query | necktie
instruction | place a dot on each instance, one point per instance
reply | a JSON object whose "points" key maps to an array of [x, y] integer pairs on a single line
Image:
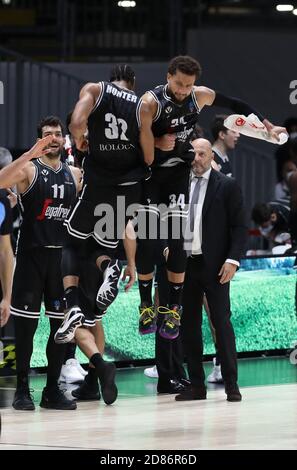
{"points": [[194, 202]]}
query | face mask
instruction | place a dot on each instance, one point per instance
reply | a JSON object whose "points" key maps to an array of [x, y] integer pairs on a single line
{"points": [[289, 174], [265, 231], [282, 238]]}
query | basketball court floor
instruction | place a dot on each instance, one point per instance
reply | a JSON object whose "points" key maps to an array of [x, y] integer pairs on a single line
{"points": [[141, 419]]}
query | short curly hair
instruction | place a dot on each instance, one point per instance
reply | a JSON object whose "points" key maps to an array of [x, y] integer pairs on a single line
{"points": [[185, 64]]}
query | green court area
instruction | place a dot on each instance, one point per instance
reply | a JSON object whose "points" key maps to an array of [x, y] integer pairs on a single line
{"points": [[263, 315]]}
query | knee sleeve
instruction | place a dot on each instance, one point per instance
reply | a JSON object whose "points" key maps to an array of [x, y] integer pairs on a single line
{"points": [[145, 260], [70, 264], [177, 258], [24, 333]]}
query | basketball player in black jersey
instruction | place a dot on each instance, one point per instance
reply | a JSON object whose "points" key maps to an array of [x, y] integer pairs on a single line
{"points": [[120, 146], [6, 257], [47, 189], [174, 110]]}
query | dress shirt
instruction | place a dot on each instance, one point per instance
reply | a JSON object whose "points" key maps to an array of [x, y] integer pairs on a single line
{"points": [[197, 233]]}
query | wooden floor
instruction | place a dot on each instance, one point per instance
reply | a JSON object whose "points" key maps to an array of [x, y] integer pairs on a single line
{"points": [[265, 419]]}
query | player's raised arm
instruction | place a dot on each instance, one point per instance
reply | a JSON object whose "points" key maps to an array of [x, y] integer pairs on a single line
{"points": [[83, 108], [15, 172]]}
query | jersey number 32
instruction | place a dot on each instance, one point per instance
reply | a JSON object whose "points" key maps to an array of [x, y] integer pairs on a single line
{"points": [[116, 127]]}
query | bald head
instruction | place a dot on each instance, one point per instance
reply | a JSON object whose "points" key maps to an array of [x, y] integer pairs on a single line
{"points": [[199, 143], [203, 156]]}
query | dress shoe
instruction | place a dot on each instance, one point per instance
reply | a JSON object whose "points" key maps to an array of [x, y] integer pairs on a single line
{"points": [[172, 387], [184, 382], [192, 393], [233, 393]]}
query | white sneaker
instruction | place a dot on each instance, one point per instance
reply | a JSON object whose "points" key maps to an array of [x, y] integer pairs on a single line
{"points": [[216, 374], [110, 287], [151, 372], [73, 319], [70, 373]]}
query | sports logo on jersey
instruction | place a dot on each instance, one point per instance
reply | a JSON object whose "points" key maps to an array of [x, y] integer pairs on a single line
{"points": [[66, 175], [191, 107], [53, 212], [183, 136], [44, 174], [56, 304], [168, 109], [67, 178]]}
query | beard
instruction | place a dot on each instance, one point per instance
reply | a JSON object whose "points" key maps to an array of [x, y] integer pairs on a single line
{"points": [[198, 170], [54, 153], [177, 100]]}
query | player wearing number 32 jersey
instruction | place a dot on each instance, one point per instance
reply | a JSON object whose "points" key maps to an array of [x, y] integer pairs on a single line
{"points": [[119, 149], [120, 146]]}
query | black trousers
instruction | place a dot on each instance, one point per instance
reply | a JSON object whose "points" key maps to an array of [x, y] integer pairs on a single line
{"points": [[169, 353], [197, 281]]}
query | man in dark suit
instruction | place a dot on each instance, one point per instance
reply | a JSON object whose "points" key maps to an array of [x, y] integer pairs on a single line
{"points": [[215, 239]]}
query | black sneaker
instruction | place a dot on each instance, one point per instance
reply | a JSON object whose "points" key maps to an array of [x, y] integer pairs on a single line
{"points": [[107, 382], [54, 399], [86, 392], [74, 318], [171, 323], [147, 319], [110, 287], [23, 400]]}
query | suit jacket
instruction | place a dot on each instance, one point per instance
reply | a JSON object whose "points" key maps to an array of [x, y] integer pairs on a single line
{"points": [[224, 228]]}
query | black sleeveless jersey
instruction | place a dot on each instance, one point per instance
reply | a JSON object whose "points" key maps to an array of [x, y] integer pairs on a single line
{"points": [[174, 118], [114, 155], [44, 207]]}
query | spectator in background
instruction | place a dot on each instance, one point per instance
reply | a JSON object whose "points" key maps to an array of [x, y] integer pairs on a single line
{"points": [[292, 183], [225, 140], [288, 151], [272, 219], [282, 190]]}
